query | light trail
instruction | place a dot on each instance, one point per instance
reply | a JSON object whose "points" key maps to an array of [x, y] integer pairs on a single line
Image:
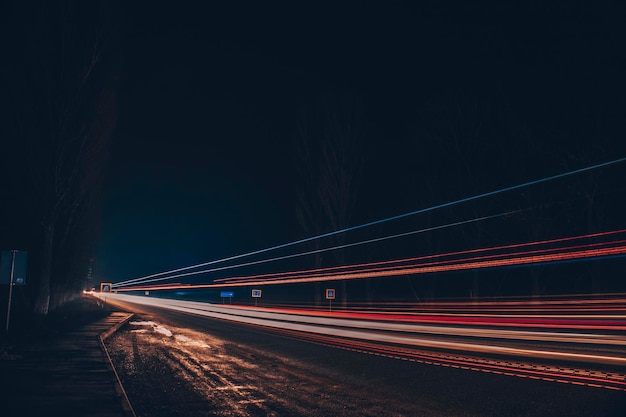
{"points": [[525, 260], [521, 258], [388, 219], [566, 303], [362, 268], [561, 374], [296, 255], [461, 342], [442, 255]]}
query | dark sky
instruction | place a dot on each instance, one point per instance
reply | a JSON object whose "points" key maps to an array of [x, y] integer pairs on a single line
{"points": [[202, 165]]}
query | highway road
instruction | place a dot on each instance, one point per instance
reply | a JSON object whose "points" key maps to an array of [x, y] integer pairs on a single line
{"points": [[190, 358]]}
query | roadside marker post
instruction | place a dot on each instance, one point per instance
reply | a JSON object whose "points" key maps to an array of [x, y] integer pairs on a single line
{"points": [[330, 296], [256, 294], [13, 272], [10, 287], [227, 294]]}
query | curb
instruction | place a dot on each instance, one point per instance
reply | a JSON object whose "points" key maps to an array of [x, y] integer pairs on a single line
{"points": [[107, 333], [119, 388]]}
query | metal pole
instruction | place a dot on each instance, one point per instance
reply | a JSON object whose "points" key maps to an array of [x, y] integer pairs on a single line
{"points": [[10, 288]]}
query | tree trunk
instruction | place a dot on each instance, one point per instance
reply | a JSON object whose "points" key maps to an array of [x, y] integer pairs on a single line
{"points": [[42, 302]]}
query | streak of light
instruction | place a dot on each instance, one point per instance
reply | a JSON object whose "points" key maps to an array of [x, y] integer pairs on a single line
{"points": [[465, 264], [564, 303], [449, 254], [296, 255], [399, 336], [412, 213], [568, 375], [311, 273]]}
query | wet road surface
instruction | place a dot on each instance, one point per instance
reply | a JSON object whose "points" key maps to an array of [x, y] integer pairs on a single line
{"points": [[172, 364]]}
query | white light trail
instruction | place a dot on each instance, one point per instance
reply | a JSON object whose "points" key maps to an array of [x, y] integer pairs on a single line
{"points": [[412, 213], [465, 339]]}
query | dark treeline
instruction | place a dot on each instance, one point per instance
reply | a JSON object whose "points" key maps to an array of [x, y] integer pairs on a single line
{"points": [[59, 81], [423, 106], [456, 146]]}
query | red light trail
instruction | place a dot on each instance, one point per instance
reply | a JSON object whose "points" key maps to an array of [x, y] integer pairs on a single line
{"points": [[558, 344], [491, 257]]}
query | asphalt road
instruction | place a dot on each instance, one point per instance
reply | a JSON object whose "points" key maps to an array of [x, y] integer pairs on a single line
{"points": [[175, 364]]}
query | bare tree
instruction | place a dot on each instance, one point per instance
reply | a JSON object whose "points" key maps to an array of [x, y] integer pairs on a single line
{"points": [[329, 160], [455, 129]]}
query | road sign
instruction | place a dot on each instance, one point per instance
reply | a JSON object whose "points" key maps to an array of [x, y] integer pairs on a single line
{"points": [[19, 269], [330, 293], [227, 294], [16, 260], [12, 272], [256, 293]]}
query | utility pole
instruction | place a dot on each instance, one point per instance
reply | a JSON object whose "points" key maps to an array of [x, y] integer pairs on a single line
{"points": [[10, 287]]}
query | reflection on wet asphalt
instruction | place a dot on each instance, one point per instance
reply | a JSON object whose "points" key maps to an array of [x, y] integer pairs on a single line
{"points": [[181, 365], [172, 371]]}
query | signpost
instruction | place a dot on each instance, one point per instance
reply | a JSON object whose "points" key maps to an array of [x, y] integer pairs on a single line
{"points": [[227, 294], [330, 296], [13, 272], [256, 294]]}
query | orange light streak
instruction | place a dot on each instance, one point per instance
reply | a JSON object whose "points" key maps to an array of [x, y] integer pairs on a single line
{"points": [[414, 270], [444, 262], [450, 254]]}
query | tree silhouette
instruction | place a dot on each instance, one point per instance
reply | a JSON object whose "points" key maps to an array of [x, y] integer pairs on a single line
{"points": [[329, 163], [62, 80]]}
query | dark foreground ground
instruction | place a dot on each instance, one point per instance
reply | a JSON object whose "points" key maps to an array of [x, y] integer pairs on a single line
{"points": [[178, 365], [55, 365], [23, 327]]}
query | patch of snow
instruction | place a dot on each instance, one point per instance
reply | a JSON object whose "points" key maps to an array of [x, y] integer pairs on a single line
{"points": [[184, 340], [156, 327], [162, 330], [142, 323]]}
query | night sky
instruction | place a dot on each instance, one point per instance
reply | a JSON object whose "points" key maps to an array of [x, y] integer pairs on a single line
{"points": [[201, 164]]}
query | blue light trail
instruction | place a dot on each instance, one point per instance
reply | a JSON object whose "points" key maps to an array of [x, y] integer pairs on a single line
{"points": [[388, 219]]}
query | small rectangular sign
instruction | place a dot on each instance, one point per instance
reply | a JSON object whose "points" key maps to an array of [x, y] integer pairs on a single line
{"points": [[330, 293], [256, 293], [19, 267], [18, 260], [227, 294]]}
